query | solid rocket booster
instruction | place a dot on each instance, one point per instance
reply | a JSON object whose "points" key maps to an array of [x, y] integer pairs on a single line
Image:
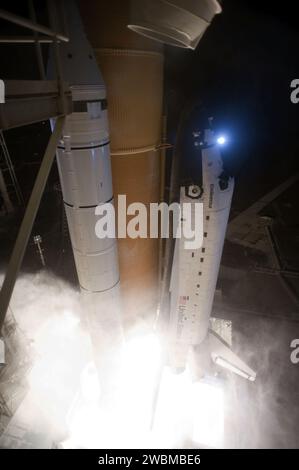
{"points": [[83, 158], [85, 172]]}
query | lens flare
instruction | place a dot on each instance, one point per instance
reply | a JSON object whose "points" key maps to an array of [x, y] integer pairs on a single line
{"points": [[221, 140]]}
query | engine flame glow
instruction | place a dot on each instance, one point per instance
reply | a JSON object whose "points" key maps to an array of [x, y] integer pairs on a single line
{"points": [[185, 411], [68, 404]]}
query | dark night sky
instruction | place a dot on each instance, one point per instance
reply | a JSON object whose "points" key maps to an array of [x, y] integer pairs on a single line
{"points": [[241, 71]]}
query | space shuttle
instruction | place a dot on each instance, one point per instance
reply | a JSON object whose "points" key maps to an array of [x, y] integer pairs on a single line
{"points": [[85, 174], [195, 271], [84, 164]]}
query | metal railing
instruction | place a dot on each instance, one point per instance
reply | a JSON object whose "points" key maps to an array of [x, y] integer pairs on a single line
{"points": [[8, 168]]}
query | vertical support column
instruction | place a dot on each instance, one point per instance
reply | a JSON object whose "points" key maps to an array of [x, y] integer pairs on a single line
{"points": [[28, 220]]}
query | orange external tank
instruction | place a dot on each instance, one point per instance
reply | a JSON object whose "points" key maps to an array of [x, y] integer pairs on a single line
{"points": [[132, 67]]}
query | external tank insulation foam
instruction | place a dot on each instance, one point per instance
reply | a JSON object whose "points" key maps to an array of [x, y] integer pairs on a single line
{"points": [[132, 67]]}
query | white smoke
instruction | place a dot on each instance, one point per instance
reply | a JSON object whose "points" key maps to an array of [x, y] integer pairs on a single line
{"points": [[64, 402], [265, 413], [48, 311], [64, 389]]}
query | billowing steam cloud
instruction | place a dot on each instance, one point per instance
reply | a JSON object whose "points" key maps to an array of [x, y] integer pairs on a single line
{"points": [[47, 311], [64, 394]]}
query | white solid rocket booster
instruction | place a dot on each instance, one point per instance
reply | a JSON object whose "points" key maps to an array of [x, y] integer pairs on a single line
{"points": [[85, 173], [83, 158]]}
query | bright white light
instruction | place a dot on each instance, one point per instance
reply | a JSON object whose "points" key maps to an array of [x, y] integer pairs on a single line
{"points": [[173, 417], [221, 140], [208, 409], [189, 410], [185, 410], [141, 362], [66, 386], [124, 421], [61, 351], [90, 385]]}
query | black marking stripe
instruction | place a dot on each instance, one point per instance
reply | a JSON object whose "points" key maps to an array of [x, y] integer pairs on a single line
{"points": [[85, 148], [81, 106], [100, 291], [89, 207], [207, 146]]}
